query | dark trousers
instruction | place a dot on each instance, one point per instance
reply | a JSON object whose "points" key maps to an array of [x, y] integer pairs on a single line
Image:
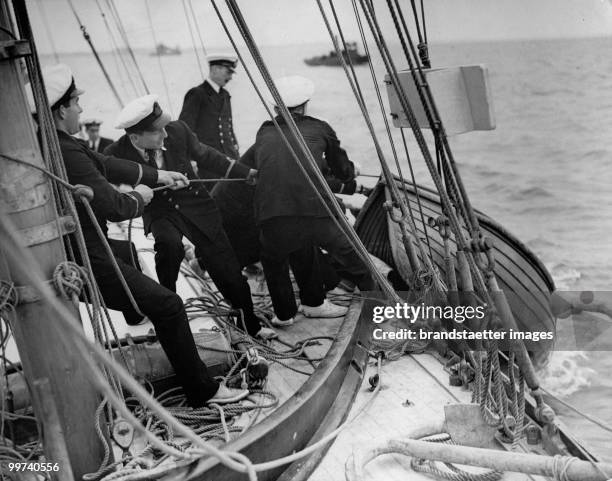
{"points": [[216, 256], [296, 240], [166, 311], [121, 249], [243, 235]]}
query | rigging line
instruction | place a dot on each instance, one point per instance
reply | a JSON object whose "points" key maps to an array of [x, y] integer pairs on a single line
{"points": [[384, 114], [92, 354], [424, 61], [382, 281], [423, 21], [433, 117], [117, 51], [197, 25], [416, 19], [122, 32], [45, 20], [51, 149], [339, 219], [398, 29], [93, 50], [159, 61], [391, 70], [381, 44], [360, 101], [593, 419], [350, 61], [416, 191], [193, 42]]}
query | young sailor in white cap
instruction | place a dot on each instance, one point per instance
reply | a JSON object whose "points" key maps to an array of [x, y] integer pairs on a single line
{"points": [[207, 108], [291, 218], [163, 307], [152, 139], [94, 140]]}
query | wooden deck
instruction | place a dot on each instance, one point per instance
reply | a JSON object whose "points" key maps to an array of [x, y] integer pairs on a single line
{"points": [[414, 391]]}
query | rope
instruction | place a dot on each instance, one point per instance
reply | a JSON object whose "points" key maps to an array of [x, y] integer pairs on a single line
{"points": [[68, 280], [332, 208], [159, 61], [452, 473], [359, 96], [193, 15], [41, 8], [87, 38], [404, 208], [117, 52], [102, 438], [197, 181], [8, 296], [594, 420], [193, 43], [83, 192], [56, 178], [54, 161], [92, 353], [123, 33]]}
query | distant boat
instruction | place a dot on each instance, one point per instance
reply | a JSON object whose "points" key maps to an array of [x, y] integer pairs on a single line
{"points": [[162, 49], [332, 59]]}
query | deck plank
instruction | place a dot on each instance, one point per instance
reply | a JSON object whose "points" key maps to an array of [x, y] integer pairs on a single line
{"points": [[421, 379]]}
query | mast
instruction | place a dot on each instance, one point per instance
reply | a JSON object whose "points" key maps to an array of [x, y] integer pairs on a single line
{"points": [[26, 200]]}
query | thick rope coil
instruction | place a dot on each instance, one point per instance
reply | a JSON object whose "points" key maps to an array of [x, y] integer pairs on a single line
{"points": [[68, 279], [452, 473], [8, 296]]}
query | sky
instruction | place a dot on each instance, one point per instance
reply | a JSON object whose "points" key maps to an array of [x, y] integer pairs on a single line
{"points": [[290, 22]]}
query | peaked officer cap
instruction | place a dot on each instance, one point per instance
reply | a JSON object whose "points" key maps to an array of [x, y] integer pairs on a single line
{"points": [[143, 113]]}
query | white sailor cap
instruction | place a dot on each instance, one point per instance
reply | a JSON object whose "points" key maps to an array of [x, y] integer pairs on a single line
{"points": [[227, 60], [59, 84], [294, 90], [143, 113]]}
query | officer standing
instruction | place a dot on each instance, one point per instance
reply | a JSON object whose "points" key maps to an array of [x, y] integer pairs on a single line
{"points": [[290, 215], [154, 140], [163, 307], [207, 108], [94, 141]]}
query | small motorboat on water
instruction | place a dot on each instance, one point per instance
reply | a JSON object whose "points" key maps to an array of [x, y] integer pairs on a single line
{"points": [[163, 50], [350, 55]]}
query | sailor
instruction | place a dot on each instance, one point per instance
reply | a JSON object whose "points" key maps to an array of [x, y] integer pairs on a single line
{"points": [[152, 139], [207, 108], [235, 203], [290, 215], [94, 140], [163, 307]]}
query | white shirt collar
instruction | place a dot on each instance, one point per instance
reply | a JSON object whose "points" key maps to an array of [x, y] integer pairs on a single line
{"points": [[214, 84], [158, 158]]}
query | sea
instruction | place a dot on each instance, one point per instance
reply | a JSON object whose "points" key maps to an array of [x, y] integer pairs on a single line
{"points": [[544, 172]]}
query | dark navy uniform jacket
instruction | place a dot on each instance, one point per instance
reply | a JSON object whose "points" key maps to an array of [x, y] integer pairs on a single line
{"points": [[209, 115], [84, 166], [281, 187], [104, 142], [193, 202]]}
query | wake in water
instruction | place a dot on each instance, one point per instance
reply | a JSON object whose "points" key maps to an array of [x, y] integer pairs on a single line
{"points": [[566, 373]]}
